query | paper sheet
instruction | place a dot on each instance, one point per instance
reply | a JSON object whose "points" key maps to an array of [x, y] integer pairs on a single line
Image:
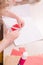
{"points": [[28, 33]]}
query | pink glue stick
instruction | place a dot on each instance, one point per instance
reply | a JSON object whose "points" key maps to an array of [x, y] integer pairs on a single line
{"points": [[23, 58]]}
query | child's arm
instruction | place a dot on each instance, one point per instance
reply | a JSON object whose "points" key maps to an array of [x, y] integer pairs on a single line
{"points": [[13, 15], [8, 39]]}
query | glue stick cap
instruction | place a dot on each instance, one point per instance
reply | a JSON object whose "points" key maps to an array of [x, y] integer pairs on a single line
{"points": [[25, 55]]}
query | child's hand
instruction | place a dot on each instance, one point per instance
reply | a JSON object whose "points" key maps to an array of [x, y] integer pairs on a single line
{"points": [[15, 16], [8, 39], [11, 36], [20, 21]]}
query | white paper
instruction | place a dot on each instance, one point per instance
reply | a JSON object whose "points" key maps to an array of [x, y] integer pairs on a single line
{"points": [[28, 33], [9, 22], [33, 30]]}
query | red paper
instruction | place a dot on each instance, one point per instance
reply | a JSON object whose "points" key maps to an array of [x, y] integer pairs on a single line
{"points": [[15, 27]]}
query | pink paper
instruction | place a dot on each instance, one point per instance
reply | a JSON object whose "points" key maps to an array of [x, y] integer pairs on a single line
{"points": [[34, 60], [17, 52]]}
